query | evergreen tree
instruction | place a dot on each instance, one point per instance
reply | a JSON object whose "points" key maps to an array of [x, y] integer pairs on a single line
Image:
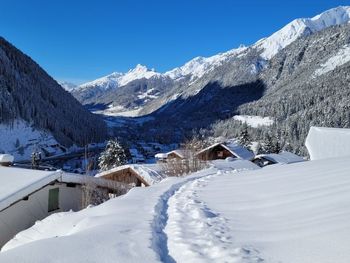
{"points": [[112, 156], [276, 147], [267, 145], [258, 149], [244, 137]]}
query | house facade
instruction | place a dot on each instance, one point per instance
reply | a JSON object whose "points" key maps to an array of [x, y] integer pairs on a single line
{"points": [[27, 196]]}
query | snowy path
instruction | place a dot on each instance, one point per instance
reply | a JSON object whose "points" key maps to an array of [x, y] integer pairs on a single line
{"points": [[195, 233]]}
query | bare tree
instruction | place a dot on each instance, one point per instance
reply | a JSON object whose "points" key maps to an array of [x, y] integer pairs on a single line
{"points": [[189, 162]]}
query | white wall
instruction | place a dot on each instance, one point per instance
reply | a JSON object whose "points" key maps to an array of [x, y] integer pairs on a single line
{"points": [[24, 213]]}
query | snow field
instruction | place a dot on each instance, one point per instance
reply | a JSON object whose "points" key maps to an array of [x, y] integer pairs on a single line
{"points": [[294, 213], [340, 58], [199, 234], [254, 121]]}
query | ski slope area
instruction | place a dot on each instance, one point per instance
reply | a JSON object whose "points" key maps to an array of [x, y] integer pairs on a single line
{"points": [[254, 121], [22, 139], [280, 213]]}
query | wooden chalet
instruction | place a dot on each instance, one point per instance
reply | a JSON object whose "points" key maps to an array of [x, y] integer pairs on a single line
{"points": [[125, 174], [223, 151], [175, 154]]}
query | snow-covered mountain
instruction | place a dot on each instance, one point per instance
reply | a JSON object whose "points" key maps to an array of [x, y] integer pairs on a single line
{"points": [[301, 27], [117, 79], [68, 86], [189, 79]]}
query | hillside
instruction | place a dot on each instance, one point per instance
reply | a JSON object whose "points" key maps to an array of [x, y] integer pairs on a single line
{"points": [[31, 99]]}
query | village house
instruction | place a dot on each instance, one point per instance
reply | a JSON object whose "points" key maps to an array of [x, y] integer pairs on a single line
{"points": [[172, 155], [274, 158], [133, 174], [30, 195], [177, 154], [225, 150], [161, 157]]}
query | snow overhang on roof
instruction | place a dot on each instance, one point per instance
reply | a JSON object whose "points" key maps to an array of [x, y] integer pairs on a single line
{"points": [[17, 183], [323, 143]]}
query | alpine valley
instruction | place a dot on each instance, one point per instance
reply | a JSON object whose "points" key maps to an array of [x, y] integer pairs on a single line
{"points": [[297, 77]]}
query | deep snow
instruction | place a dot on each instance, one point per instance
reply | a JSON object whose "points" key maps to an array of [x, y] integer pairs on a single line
{"points": [[281, 213]]}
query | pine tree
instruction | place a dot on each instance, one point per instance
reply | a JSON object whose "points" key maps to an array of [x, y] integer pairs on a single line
{"points": [[276, 147], [267, 145], [112, 156], [258, 149], [244, 137]]}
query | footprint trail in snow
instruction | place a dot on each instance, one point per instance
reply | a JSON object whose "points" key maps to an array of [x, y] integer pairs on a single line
{"points": [[198, 234]]}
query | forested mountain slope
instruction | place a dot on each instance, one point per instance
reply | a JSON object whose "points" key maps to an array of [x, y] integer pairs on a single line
{"points": [[28, 94]]}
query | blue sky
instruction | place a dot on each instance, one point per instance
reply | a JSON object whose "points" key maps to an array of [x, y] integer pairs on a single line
{"points": [[79, 41]]}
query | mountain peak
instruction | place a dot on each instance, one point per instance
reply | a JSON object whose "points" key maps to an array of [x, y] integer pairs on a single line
{"points": [[339, 15], [140, 68], [300, 27]]}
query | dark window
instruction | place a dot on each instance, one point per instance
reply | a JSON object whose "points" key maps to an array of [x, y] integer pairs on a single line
{"points": [[73, 185], [53, 199]]}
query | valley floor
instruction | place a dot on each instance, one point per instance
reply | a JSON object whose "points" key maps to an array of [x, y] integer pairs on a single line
{"points": [[282, 213]]}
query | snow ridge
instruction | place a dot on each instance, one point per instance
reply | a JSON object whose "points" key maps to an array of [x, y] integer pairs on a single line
{"points": [[302, 27], [200, 66], [117, 79]]}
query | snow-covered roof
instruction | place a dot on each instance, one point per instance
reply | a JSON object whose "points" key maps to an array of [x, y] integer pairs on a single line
{"points": [[6, 158], [282, 158], [161, 155], [86, 179], [150, 173], [234, 165], [234, 148], [325, 143], [16, 183], [180, 153]]}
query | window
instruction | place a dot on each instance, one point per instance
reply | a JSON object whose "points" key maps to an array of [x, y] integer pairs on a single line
{"points": [[53, 199]]}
